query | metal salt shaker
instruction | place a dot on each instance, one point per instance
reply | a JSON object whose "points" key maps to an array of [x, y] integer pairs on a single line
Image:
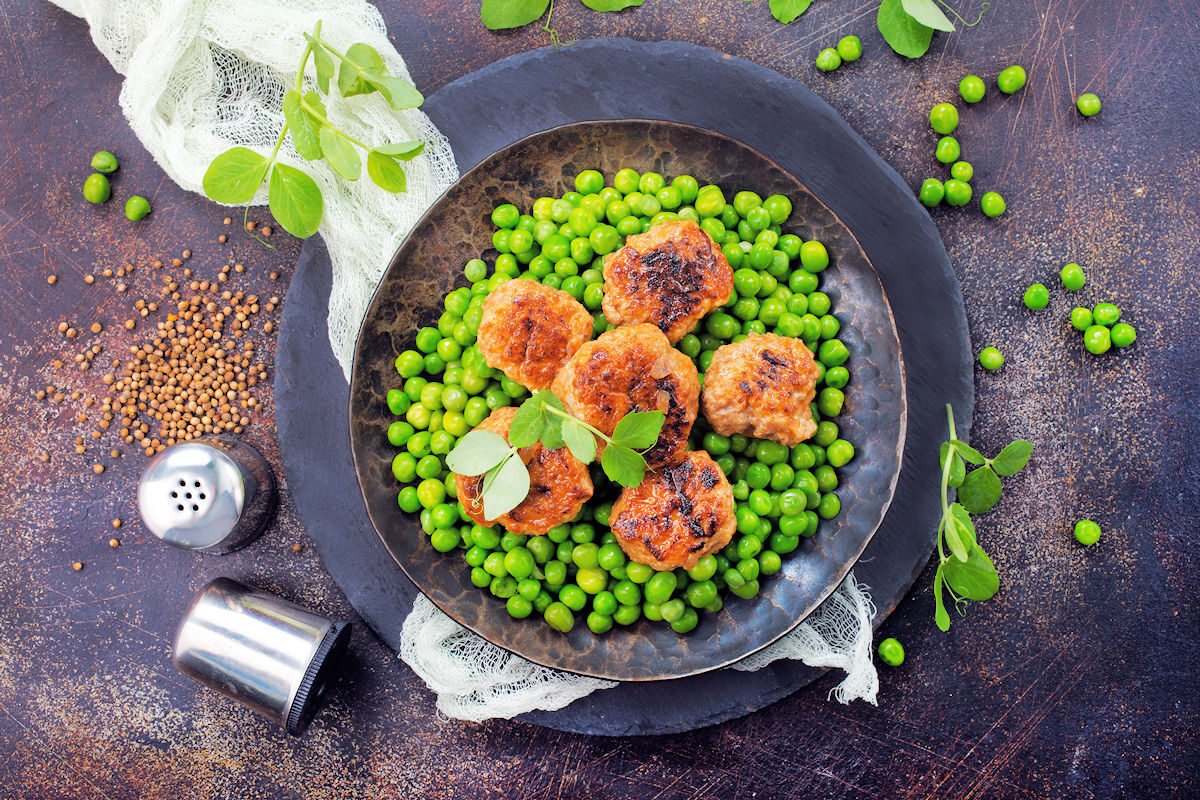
{"points": [[214, 494], [268, 654]]}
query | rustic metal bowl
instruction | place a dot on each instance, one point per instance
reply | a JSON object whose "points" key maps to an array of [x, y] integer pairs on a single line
{"points": [[429, 263]]}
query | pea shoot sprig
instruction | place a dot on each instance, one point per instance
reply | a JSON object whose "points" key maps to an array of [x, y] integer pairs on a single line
{"points": [[294, 198], [543, 418], [966, 571]]}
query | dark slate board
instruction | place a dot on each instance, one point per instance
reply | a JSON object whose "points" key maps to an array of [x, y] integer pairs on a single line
{"points": [[790, 124]]}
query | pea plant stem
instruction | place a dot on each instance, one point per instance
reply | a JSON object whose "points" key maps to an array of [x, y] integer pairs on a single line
{"points": [[565, 415]]}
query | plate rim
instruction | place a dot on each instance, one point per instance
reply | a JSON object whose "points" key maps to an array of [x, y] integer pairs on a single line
{"points": [[901, 440]]}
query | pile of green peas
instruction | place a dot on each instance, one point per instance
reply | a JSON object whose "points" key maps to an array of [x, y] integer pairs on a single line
{"points": [[849, 49], [781, 494], [97, 189], [1100, 325]]}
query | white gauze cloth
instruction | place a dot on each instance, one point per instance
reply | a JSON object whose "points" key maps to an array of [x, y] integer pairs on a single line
{"points": [[475, 680], [200, 79], [202, 76]]}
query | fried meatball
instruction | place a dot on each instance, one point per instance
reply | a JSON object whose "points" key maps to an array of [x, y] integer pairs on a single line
{"points": [[559, 484], [633, 368], [670, 276], [762, 386], [677, 515], [529, 330]]}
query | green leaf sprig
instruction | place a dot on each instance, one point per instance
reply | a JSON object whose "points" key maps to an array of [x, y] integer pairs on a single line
{"points": [[908, 25], [543, 418], [500, 15], [294, 198], [964, 569]]}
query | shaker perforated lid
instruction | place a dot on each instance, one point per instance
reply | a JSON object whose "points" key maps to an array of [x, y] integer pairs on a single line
{"points": [[214, 494]]}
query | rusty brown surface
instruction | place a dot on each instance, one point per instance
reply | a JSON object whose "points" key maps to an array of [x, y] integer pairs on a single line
{"points": [[1078, 680]]}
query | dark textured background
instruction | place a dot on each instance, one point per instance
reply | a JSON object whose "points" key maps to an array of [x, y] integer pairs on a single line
{"points": [[1078, 680]]}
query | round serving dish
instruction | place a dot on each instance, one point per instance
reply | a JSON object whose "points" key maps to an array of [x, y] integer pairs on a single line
{"points": [[457, 228]]}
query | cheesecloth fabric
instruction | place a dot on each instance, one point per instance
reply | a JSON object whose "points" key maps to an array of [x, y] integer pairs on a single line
{"points": [[202, 76]]}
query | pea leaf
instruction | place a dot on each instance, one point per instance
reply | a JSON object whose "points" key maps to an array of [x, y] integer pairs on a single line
{"points": [[234, 176], [940, 616], [975, 578], [787, 11], [927, 13], [966, 527], [579, 441], [622, 465], [905, 35], [324, 64], [552, 434], [500, 15], [970, 454], [402, 151], [386, 173], [980, 491], [611, 5], [314, 106], [295, 201], [477, 452], [360, 59], [399, 93], [304, 131], [639, 429], [958, 470], [528, 423], [954, 541], [341, 155], [508, 486], [1013, 458]]}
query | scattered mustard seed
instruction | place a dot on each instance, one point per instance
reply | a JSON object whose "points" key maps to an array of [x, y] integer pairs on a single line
{"points": [[51, 279], [78, 565], [114, 543], [297, 547], [98, 468]]}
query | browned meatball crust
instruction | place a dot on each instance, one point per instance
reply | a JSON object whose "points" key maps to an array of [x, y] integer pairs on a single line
{"points": [[670, 276], [677, 515], [529, 330], [633, 368], [559, 484], [762, 386]]}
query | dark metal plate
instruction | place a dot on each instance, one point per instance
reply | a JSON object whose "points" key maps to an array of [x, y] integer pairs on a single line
{"points": [[621, 79], [429, 264]]}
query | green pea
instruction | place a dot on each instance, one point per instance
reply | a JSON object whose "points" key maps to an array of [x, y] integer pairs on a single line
{"points": [[640, 573], [651, 182], [850, 48], [992, 204], [592, 580], [659, 588], [931, 192], [840, 453], [972, 89], [958, 193], [1123, 334], [1073, 277], [1011, 79], [1081, 318], [589, 181], [104, 162], [404, 467], [705, 568], [1087, 532], [829, 506], [505, 216], [828, 60], [1087, 103], [626, 180], [826, 433], [1106, 314], [96, 189], [519, 562], [963, 170], [408, 501], [991, 359], [837, 377], [891, 652], [559, 617], [445, 538], [746, 590], [722, 326], [487, 538], [830, 401], [1037, 297], [813, 256], [480, 578], [747, 282], [710, 201], [833, 353], [1097, 339], [818, 306], [947, 150], [136, 208], [827, 479], [573, 597], [771, 453], [943, 118]]}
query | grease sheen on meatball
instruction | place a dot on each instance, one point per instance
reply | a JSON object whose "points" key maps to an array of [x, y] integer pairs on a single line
{"points": [[670, 276], [677, 515], [529, 330], [633, 368], [559, 484], [762, 386]]}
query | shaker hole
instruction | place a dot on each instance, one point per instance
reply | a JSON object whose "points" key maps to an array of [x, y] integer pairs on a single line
{"points": [[197, 484], [182, 482], [188, 495], [174, 494], [202, 495], [195, 508], [179, 508]]}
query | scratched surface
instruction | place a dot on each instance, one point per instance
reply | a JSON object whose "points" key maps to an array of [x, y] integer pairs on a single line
{"points": [[1078, 680]]}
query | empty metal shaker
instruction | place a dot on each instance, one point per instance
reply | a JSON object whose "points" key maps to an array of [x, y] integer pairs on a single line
{"points": [[214, 494], [268, 654]]}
